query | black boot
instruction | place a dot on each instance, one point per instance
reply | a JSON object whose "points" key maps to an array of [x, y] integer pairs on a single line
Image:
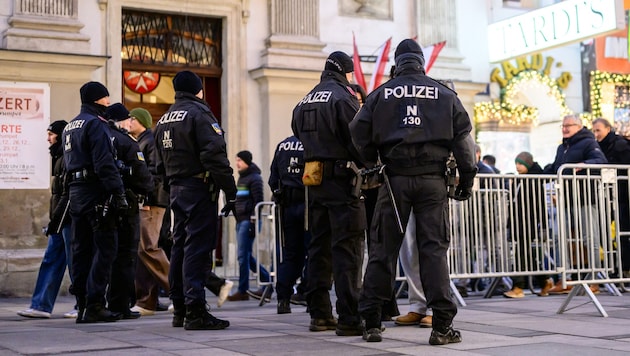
{"points": [[284, 306], [95, 313], [80, 309], [179, 313], [445, 336], [199, 318]]}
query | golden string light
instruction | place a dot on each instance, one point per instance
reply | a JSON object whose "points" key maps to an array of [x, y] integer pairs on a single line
{"points": [[508, 112]]}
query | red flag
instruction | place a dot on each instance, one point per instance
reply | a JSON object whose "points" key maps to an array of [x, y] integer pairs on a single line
{"points": [[379, 67], [430, 54], [358, 71]]}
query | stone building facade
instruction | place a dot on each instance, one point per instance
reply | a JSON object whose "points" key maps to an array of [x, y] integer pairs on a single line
{"points": [[257, 57]]}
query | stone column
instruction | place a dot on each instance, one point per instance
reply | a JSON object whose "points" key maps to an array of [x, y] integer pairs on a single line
{"points": [[291, 65], [436, 22], [294, 35], [46, 26]]}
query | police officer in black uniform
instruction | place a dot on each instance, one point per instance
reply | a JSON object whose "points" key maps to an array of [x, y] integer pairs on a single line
{"points": [[285, 181], [96, 192], [418, 121], [138, 183], [336, 215], [191, 153]]}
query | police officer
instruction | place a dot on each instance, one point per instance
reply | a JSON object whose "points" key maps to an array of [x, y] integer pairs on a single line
{"points": [[336, 215], [96, 192], [285, 181], [191, 153], [138, 183], [419, 121]]}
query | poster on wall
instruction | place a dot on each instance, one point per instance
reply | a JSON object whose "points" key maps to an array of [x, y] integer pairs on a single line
{"points": [[24, 117]]}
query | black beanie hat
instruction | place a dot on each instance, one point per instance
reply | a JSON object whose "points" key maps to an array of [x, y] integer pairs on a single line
{"points": [[245, 156], [339, 62], [57, 127], [526, 159], [117, 112], [92, 91], [408, 49], [408, 46], [188, 82]]}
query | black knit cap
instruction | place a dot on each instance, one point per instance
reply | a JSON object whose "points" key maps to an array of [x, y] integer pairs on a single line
{"points": [[188, 82], [117, 112], [245, 156], [408, 46], [57, 127], [339, 62], [92, 91]]}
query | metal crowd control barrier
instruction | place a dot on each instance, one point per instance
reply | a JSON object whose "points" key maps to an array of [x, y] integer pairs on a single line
{"points": [[541, 225], [266, 225], [589, 200], [522, 225]]}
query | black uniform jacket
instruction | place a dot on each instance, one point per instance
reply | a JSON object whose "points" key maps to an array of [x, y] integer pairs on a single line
{"points": [[87, 145], [287, 166], [189, 142], [321, 118], [413, 121], [127, 150]]}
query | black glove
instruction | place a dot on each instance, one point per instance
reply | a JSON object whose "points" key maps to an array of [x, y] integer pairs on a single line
{"points": [[464, 188], [277, 196], [226, 184], [121, 202], [229, 206]]}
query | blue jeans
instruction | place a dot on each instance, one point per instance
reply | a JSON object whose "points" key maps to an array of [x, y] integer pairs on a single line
{"points": [[58, 255], [246, 260]]}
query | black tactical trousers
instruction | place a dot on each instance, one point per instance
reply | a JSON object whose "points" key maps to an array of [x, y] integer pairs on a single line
{"points": [[427, 195], [94, 244], [337, 226], [293, 247], [194, 238], [122, 291]]}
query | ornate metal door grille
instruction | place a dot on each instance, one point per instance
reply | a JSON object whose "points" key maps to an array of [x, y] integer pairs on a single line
{"points": [[150, 39]]}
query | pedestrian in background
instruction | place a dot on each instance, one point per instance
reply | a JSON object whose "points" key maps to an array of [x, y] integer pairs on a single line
{"points": [[58, 253], [153, 265], [530, 218], [249, 193], [617, 151], [578, 146]]}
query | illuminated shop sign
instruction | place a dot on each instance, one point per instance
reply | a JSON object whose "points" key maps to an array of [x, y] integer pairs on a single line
{"points": [[560, 24]]}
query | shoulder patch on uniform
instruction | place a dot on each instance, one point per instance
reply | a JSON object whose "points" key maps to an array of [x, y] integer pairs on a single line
{"points": [[217, 129], [140, 156]]}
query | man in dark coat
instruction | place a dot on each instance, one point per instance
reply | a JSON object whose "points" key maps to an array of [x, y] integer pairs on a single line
{"points": [[617, 151], [578, 146]]}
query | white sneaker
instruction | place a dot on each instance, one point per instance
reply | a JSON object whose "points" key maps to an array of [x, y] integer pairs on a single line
{"points": [[72, 314], [143, 311], [34, 313], [224, 292], [171, 308]]}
